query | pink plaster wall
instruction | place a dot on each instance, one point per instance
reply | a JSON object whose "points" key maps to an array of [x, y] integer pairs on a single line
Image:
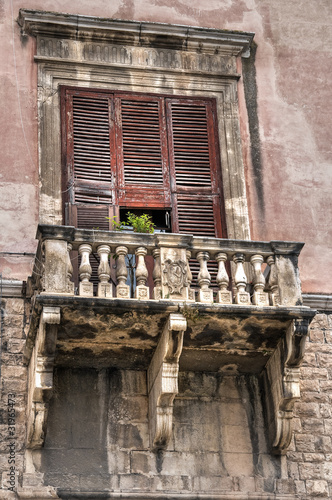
{"points": [[293, 68]]}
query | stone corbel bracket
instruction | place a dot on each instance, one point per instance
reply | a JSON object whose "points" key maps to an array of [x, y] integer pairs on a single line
{"points": [[41, 376], [282, 384], [163, 380]]}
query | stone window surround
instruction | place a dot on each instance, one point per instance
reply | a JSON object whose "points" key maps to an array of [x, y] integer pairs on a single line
{"points": [[82, 51]]}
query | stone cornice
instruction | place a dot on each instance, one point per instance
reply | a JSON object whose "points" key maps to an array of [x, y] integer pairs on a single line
{"points": [[135, 33], [322, 302], [11, 288]]}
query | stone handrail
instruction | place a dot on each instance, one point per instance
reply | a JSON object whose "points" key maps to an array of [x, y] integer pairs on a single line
{"points": [[246, 272]]}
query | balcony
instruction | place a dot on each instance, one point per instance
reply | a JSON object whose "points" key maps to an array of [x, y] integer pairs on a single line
{"points": [[164, 303]]}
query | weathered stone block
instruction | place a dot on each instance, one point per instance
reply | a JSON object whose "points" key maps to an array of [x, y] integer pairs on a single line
{"points": [[316, 336], [129, 436], [213, 483], [13, 372], [246, 484], [197, 384], [307, 410], [129, 409], [75, 461], [309, 359], [65, 481], [196, 411], [325, 410], [310, 471], [14, 306], [144, 462], [236, 438], [326, 386], [314, 373], [14, 321], [320, 321], [304, 443], [295, 456], [133, 383], [138, 482], [118, 462], [172, 483], [98, 482], [235, 462], [309, 386], [313, 457], [15, 345], [300, 487], [325, 359], [196, 437], [183, 464], [327, 471], [313, 425], [293, 470], [314, 397], [317, 489], [285, 486]]}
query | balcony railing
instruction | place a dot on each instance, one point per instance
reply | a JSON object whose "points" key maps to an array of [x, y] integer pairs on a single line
{"points": [[94, 263]]}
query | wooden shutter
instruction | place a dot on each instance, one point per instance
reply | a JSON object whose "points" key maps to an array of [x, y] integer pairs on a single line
{"points": [[143, 174], [194, 166], [89, 138]]}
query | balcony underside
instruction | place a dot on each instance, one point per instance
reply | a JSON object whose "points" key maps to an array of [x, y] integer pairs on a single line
{"points": [[124, 333]]}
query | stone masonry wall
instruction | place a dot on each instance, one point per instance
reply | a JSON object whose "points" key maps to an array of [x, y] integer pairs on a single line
{"points": [[13, 393], [309, 460], [98, 433]]}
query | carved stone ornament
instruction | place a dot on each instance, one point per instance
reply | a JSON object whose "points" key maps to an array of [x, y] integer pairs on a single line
{"points": [[41, 376], [163, 380], [175, 275], [283, 383]]}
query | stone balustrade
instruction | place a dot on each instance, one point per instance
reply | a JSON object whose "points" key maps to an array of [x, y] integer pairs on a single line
{"points": [[245, 272]]}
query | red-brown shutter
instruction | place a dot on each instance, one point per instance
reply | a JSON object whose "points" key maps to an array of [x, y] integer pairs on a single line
{"points": [[143, 174], [89, 158], [195, 171], [194, 166]]}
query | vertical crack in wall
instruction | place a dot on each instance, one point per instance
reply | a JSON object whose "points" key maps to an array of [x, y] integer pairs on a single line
{"points": [[250, 92]]}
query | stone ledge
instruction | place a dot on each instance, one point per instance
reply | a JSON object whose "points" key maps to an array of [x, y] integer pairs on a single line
{"points": [[144, 34], [316, 301], [12, 288], [98, 495]]}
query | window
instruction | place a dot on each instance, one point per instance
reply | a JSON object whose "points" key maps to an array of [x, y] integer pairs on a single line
{"points": [[136, 151]]}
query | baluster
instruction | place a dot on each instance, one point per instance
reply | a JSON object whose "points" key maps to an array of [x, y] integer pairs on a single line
{"points": [[273, 282], [122, 290], [260, 298], [240, 278], [85, 271], [156, 275], [104, 272], [224, 296], [205, 294], [191, 292], [142, 291], [70, 283]]}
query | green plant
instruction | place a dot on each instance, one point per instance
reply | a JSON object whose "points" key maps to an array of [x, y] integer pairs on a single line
{"points": [[140, 223], [117, 226], [190, 313]]}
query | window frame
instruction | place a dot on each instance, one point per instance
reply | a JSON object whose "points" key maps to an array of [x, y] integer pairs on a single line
{"points": [[83, 51], [139, 196]]}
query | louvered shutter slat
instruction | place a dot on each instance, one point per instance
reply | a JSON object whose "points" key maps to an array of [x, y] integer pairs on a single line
{"points": [[91, 139], [142, 149]]}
